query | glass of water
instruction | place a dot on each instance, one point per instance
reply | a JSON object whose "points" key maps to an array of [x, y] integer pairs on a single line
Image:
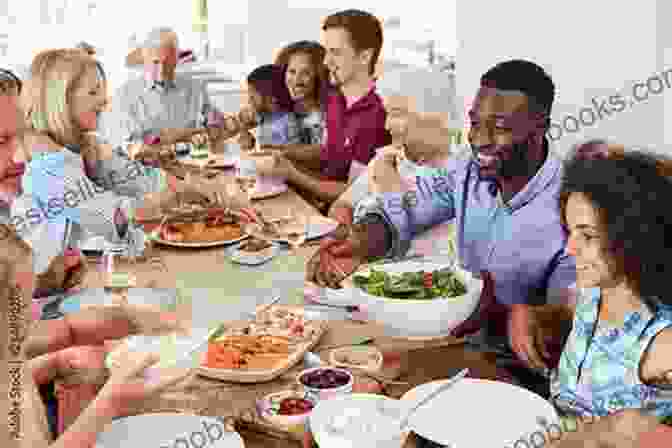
{"points": [[246, 176], [119, 272], [296, 231]]}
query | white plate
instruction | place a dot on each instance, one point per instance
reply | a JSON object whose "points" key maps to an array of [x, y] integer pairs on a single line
{"points": [[159, 297], [320, 226], [270, 191], [197, 245], [168, 430], [93, 244], [480, 413], [181, 352], [317, 228], [250, 258]]}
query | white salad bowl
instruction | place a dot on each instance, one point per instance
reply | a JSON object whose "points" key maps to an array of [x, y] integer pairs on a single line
{"points": [[419, 319]]}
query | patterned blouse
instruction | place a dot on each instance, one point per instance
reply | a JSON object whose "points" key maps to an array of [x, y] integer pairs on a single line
{"points": [[277, 128], [312, 127], [598, 373], [59, 197]]}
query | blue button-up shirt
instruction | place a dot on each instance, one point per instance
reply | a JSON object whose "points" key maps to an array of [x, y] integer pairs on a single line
{"points": [[522, 243]]}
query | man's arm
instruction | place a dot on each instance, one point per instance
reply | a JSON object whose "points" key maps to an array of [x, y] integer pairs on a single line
{"points": [[307, 155], [408, 213], [328, 190]]}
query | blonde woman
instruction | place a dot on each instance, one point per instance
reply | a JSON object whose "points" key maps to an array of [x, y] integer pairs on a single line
{"points": [[20, 376], [75, 185]]}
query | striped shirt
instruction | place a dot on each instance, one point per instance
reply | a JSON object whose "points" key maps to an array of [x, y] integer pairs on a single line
{"points": [[140, 108]]}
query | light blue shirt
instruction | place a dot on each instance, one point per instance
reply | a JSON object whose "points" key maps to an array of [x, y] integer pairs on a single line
{"points": [[57, 192], [521, 243]]}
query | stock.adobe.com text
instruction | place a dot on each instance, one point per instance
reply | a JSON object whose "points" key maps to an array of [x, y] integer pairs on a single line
{"points": [[601, 108]]}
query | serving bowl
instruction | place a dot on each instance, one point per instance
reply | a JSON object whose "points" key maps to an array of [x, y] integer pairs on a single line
{"points": [[269, 408], [356, 420], [415, 319], [324, 393]]}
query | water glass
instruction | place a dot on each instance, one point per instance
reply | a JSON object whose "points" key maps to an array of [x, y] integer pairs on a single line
{"points": [[119, 274], [246, 176], [296, 231]]}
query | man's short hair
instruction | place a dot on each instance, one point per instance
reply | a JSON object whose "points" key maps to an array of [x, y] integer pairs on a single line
{"points": [[525, 77], [366, 31]]}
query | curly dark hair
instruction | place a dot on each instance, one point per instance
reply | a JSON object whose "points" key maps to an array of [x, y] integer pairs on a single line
{"points": [[316, 52], [628, 190], [9, 81], [269, 80]]}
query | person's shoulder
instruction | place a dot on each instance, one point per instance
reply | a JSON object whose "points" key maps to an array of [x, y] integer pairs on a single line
{"points": [[130, 88], [658, 367]]}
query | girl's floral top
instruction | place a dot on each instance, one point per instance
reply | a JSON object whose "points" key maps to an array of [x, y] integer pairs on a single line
{"points": [[598, 373]]}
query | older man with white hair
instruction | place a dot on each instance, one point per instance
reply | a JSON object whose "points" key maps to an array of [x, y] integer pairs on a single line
{"points": [[160, 107]]}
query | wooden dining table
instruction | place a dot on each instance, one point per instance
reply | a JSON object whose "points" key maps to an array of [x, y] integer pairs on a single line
{"points": [[214, 290], [210, 268]]}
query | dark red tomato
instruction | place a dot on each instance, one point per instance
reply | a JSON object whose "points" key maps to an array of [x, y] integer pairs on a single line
{"points": [[294, 406]]}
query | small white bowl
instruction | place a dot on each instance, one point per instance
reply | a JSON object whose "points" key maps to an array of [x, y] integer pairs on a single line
{"points": [[373, 356], [268, 406], [324, 394], [253, 258]]}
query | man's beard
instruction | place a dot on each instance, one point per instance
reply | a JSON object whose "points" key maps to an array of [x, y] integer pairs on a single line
{"points": [[518, 164]]}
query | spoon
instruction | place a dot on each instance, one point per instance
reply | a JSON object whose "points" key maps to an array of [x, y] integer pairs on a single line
{"points": [[439, 390]]}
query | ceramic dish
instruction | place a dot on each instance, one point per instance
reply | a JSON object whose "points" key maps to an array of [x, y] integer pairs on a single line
{"points": [[271, 406], [239, 256], [356, 420], [359, 356], [432, 319], [326, 392], [513, 414], [168, 430]]}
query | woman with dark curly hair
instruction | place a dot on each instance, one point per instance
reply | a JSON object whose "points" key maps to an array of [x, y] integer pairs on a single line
{"points": [[306, 77], [617, 355]]}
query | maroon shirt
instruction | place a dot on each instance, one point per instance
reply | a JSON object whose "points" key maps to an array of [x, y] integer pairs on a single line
{"points": [[353, 133]]}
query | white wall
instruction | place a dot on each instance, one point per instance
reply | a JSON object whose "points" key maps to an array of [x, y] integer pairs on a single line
{"points": [[592, 49]]}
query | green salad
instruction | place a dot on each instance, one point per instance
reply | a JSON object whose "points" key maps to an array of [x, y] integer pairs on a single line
{"points": [[412, 285]]}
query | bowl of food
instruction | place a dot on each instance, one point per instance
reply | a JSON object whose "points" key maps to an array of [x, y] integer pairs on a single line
{"points": [[287, 408], [358, 356], [357, 420], [321, 383], [438, 298]]}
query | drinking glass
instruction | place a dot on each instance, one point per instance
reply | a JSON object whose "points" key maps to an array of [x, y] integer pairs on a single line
{"points": [[246, 176], [296, 231], [119, 273]]}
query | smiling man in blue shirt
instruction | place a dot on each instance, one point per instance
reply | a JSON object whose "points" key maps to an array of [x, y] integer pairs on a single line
{"points": [[504, 203]]}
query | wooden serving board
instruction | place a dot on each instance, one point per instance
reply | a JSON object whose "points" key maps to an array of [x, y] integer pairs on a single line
{"points": [[261, 376]]}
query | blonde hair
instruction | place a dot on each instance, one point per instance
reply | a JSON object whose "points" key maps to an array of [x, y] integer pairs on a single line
{"points": [[48, 94]]}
